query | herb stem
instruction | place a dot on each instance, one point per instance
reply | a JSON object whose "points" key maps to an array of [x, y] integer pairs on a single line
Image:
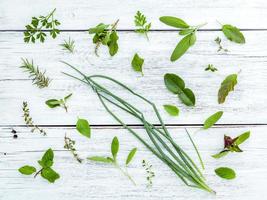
{"points": [[124, 172], [38, 173]]}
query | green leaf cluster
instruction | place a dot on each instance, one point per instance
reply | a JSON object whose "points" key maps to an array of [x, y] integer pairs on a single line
{"points": [[226, 86], [225, 173], [176, 85], [52, 103], [141, 23], [83, 127], [46, 171], [137, 63]]}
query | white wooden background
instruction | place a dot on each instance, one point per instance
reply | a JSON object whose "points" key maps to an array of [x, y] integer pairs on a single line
{"points": [[245, 108]]}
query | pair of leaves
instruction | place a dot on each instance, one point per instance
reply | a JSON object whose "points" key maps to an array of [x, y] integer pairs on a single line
{"points": [[225, 173], [211, 68], [210, 121], [233, 34], [226, 86], [46, 163], [137, 63], [141, 23], [52, 103], [171, 109], [176, 85], [83, 127]]}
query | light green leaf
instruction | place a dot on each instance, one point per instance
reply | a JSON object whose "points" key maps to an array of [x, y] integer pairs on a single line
{"points": [[225, 172], [83, 127], [27, 170], [212, 119], [52, 103], [221, 154], [226, 86], [171, 109], [98, 29], [186, 31], [174, 22], [187, 97], [242, 138], [47, 159], [131, 155], [99, 159], [137, 63], [50, 175], [233, 34], [115, 147]]}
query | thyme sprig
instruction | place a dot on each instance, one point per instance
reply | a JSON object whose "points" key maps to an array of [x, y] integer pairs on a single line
{"points": [[38, 78], [28, 119], [149, 172], [68, 45], [69, 145], [220, 48]]}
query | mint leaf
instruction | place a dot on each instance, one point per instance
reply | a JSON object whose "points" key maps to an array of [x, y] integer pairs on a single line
{"points": [[50, 175], [174, 22], [130, 156], [212, 119], [242, 138], [115, 147], [137, 63], [47, 159], [27, 170], [83, 127], [187, 97], [233, 34], [171, 109], [99, 159], [226, 86], [225, 173]]}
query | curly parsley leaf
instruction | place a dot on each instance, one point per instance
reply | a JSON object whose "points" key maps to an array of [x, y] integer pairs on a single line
{"points": [[141, 23]]}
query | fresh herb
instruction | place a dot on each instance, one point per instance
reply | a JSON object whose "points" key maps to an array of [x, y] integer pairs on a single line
{"points": [[218, 41], [35, 29], [211, 68], [105, 37], [141, 23], [232, 144], [212, 119], [38, 77], [68, 45], [52, 103], [113, 160], [83, 127], [137, 63], [189, 33], [226, 86], [28, 119], [233, 34], [171, 109], [225, 173], [69, 145], [158, 139], [46, 171], [176, 85], [14, 132], [149, 172]]}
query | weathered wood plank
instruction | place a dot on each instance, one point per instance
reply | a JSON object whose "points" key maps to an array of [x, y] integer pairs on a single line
{"points": [[82, 14], [244, 105], [94, 181]]}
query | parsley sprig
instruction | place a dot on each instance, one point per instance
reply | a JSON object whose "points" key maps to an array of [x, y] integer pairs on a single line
{"points": [[141, 23]]}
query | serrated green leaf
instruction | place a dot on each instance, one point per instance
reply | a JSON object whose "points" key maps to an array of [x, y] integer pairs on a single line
{"points": [[242, 138], [50, 175], [137, 63], [115, 147], [226, 86], [233, 34], [225, 172], [83, 127], [212, 119], [171, 109], [47, 159], [27, 170], [221, 154], [52, 103], [99, 159], [174, 22], [130, 156]]}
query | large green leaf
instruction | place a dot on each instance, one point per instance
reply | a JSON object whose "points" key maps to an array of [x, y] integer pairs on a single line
{"points": [[137, 63], [242, 138], [49, 174], [226, 86], [233, 33], [212, 119], [174, 22], [47, 159]]}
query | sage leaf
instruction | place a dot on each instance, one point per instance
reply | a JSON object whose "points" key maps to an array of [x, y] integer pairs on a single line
{"points": [[49, 174], [181, 47], [233, 34], [99, 159], [221, 154], [27, 170], [226, 86], [171, 109], [52, 103], [242, 138], [115, 147], [83, 127], [137, 63], [130, 156], [47, 159], [187, 97], [225, 173], [212, 119], [174, 22]]}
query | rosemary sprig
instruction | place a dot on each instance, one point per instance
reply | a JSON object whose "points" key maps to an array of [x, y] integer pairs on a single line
{"points": [[28, 119], [149, 172], [69, 145], [68, 45], [38, 77]]}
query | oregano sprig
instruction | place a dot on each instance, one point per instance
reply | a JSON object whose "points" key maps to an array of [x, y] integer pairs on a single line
{"points": [[69, 145], [141, 23], [35, 29]]}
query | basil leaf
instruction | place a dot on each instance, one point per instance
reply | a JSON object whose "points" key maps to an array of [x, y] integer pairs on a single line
{"points": [[52, 103], [171, 109], [131, 155], [67, 97], [221, 154], [83, 127], [225, 172], [99, 159], [50, 175], [242, 138], [174, 83], [115, 147], [187, 97], [212, 119], [174, 22], [226, 86], [27, 170], [47, 159], [233, 34], [137, 63], [112, 43]]}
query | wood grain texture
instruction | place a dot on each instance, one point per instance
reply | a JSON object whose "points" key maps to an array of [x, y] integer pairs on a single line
{"points": [[99, 181], [15, 14], [244, 105]]}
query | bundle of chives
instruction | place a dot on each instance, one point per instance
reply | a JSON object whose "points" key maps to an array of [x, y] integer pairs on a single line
{"points": [[164, 147]]}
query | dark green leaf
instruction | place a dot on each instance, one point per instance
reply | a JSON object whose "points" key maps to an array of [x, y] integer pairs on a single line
{"points": [[27, 170], [131, 155], [174, 22], [174, 83], [137, 63], [47, 159], [50, 175], [242, 138], [226, 86], [171, 109], [115, 147], [83, 127], [99, 159], [187, 97], [233, 33], [52, 103], [221, 154], [225, 172], [212, 119]]}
